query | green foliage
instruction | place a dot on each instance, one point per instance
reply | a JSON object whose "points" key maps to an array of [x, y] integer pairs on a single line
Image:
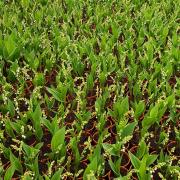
{"points": [[128, 129], [58, 139], [39, 79], [11, 108], [9, 173], [16, 163], [139, 109], [82, 81], [36, 119]]}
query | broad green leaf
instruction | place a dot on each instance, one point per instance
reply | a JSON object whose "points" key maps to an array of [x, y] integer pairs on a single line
{"points": [[114, 168], [16, 126], [148, 121], [141, 150], [161, 157], [11, 108], [139, 109], [151, 159], [39, 132], [25, 3], [9, 128], [102, 78], [47, 178], [39, 79], [48, 125], [170, 100], [30, 151], [92, 167], [55, 125], [36, 168], [57, 175], [49, 101], [121, 107], [128, 130], [135, 161], [10, 45], [154, 111], [39, 145], [37, 116], [27, 177], [16, 163], [27, 149], [58, 139], [1, 44], [90, 82], [75, 150], [109, 148], [142, 169], [165, 31], [9, 173], [124, 106], [55, 93]]}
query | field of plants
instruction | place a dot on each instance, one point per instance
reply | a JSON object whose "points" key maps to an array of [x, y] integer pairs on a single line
{"points": [[89, 90]]}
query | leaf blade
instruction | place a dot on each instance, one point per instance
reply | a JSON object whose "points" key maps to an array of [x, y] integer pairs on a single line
{"points": [[58, 139]]}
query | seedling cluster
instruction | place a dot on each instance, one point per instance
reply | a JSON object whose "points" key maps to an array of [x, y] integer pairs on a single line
{"points": [[89, 89]]}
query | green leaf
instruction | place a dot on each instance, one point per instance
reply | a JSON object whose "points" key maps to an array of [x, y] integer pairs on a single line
{"points": [[9, 173], [91, 167], [109, 148], [121, 107], [141, 150], [39, 79], [135, 161], [36, 168], [9, 128], [25, 3], [90, 82], [27, 177], [16, 126], [165, 31], [11, 108], [148, 121], [161, 157], [10, 45], [114, 168], [49, 101], [27, 149], [142, 169], [171, 100], [55, 125], [16, 163], [151, 159], [57, 175], [102, 78], [139, 109], [1, 44], [124, 106], [48, 125], [55, 93], [37, 115], [58, 139], [154, 111], [39, 145], [128, 130], [75, 150], [31, 152], [154, 115], [39, 132]]}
